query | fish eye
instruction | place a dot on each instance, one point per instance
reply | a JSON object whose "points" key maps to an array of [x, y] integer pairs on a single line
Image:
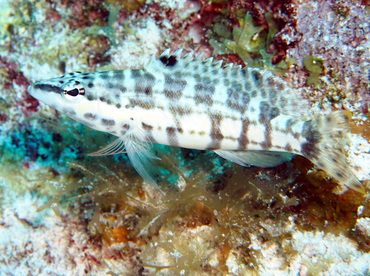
{"points": [[73, 90]]}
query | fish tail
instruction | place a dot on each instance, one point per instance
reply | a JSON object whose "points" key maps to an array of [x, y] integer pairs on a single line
{"points": [[326, 140]]}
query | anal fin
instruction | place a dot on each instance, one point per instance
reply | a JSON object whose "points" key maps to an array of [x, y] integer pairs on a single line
{"points": [[264, 159]]}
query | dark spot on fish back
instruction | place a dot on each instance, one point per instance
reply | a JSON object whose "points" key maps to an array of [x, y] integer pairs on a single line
{"points": [[118, 74], [264, 112], [168, 61], [204, 94], [270, 81], [280, 86], [237, 100], [173, 87], [257, 76], [143, 82], [253, 93], [145, 104], [274, 112]]}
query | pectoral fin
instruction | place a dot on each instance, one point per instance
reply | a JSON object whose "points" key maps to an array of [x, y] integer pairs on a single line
{"points": [[116, 147], [262, 159], [139, 154], [142, 160]]}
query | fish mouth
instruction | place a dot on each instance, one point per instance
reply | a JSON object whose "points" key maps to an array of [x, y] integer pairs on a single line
{"points": [[32, 91], [29, 89]]}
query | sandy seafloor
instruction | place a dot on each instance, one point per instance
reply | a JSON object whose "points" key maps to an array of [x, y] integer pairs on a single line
{"points": [[65, 213]]}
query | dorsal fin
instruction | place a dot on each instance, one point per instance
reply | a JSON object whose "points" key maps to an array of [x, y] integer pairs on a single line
{"points": [[168, 60], [272, 89]]}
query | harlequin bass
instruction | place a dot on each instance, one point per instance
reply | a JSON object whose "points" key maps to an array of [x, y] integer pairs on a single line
{"points": [[246, 115]]}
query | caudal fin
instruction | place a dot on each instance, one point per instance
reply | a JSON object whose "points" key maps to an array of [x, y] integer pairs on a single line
{"points": [[326, 142]]}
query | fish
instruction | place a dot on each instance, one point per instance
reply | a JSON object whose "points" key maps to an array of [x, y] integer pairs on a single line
{"points": [[244, 114]]}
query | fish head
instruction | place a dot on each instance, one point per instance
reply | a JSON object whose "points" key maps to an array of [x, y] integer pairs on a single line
{"points": [[77, 95]]}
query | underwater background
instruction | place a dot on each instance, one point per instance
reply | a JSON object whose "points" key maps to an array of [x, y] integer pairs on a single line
{"points": [[63, 212]]}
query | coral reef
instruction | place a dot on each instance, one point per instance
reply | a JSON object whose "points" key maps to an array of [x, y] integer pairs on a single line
{"points": [[337, 33], [65, 213]]}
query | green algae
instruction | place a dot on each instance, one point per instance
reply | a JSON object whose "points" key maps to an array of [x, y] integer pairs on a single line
{"points": [[136, 213], [246, 40], [129, 5], [222, 30], [250, 42], [315, 67]]}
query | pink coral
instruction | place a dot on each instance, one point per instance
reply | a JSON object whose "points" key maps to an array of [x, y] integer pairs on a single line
{"points": [[12, 75]]}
